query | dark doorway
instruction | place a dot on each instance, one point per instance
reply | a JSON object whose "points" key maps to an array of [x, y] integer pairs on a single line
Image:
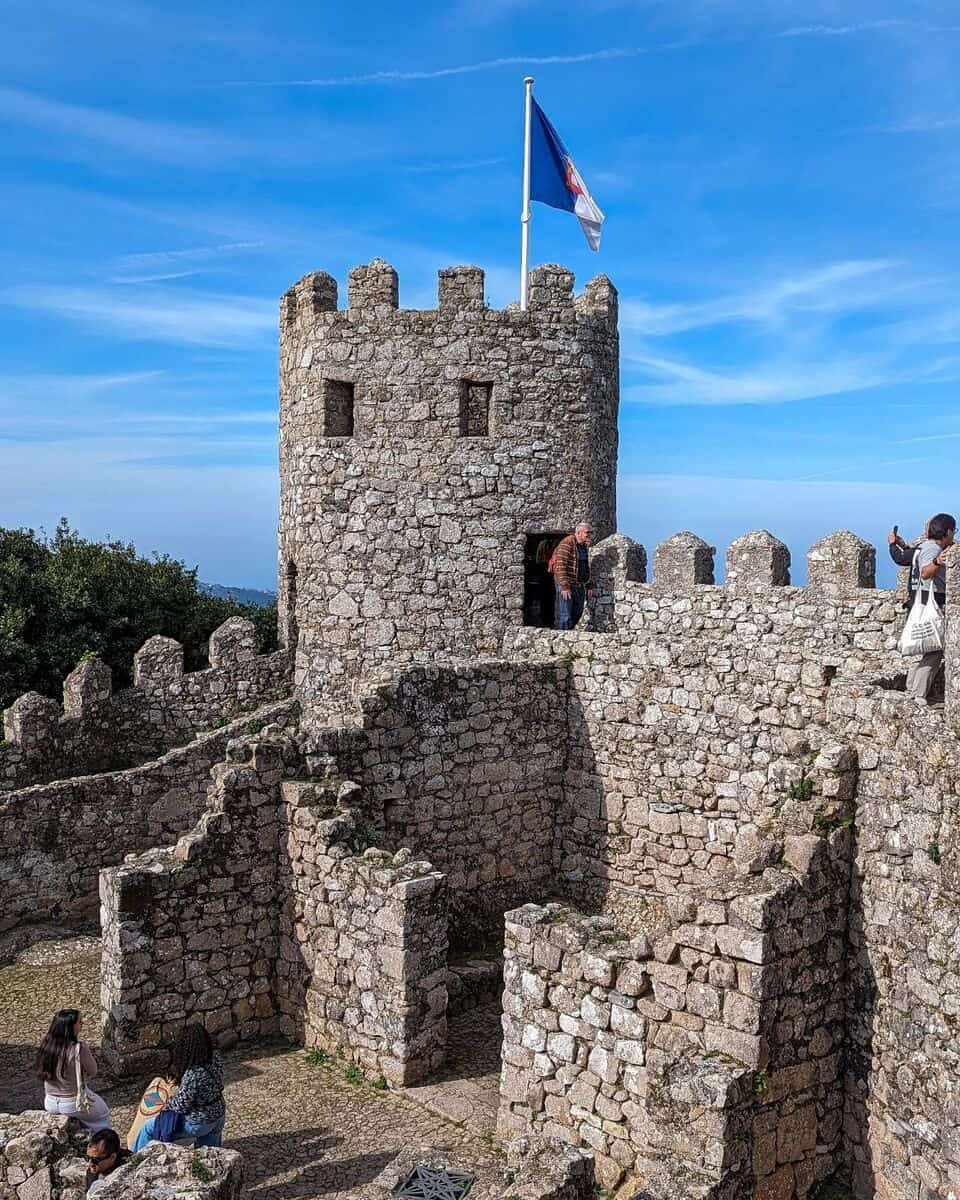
{"points": [[538, 591]]}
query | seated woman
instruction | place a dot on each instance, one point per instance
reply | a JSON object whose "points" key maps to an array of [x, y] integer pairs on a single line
{"points": [[198, 1073], [57, 1058]]}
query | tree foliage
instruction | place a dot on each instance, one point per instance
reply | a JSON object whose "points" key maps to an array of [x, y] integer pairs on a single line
{"points": [[63, 596]]}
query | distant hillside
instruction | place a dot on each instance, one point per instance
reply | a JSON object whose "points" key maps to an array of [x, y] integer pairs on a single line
{"points": [[240, 594]]}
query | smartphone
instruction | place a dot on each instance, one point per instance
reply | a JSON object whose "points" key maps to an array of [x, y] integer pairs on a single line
{"points": [[896, 530]]}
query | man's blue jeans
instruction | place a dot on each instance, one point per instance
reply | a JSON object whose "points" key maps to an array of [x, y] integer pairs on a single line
{"points": [[570, 611]]}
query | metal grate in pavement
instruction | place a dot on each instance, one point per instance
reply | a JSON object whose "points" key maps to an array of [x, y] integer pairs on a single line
{"points": [[428, 1183]]}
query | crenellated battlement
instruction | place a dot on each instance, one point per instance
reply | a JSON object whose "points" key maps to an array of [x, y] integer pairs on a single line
{"points": [[422, 450], [96, 729], [373, 292], [839, 564]]}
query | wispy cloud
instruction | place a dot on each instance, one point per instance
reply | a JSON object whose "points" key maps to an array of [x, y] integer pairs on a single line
{"points": [[39, 391], [820, 290], [397, 75], [165, 277], [191, 253], [781, 380], [840, 30], [774, 383], [930, 124], [184, 318], [156, 140], [475, 164]]}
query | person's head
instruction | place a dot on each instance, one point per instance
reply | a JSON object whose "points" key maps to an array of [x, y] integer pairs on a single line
{"points": [[103, 1151], [942, 528], [193, 1049], [584, 533], [64, 1031]]}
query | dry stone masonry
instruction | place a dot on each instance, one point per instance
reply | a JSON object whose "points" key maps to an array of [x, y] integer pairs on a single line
{"points": [[99, 730], [42, 1158], [718, 839], [420, 453]]}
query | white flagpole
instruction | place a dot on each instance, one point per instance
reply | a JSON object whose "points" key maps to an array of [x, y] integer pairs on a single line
{"points": [[525, 214]]}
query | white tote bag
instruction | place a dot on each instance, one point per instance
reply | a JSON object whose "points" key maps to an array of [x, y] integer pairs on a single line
{"points": [[923, 631]]}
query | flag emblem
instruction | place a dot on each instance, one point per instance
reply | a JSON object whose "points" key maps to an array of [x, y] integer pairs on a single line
{"points": [[555, 180]]}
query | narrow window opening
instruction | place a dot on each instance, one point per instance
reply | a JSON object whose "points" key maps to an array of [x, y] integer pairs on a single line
{"points": [[290, 631], [338, 398], [475, 408], [539, 595], [830, 674]]}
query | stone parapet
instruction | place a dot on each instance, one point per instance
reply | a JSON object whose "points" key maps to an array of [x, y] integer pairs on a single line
{"points": [[55, 837], [101, 730], [191, 931]]}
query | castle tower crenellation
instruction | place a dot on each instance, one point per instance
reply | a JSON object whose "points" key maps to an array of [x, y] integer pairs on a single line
{"points": [[422, 450]]}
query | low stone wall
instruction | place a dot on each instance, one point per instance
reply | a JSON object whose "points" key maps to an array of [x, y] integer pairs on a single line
{"points": [[55, 837], [98, 730], [364, 940], [276, 915], [191, 932], [42, 1158], [465, 760], [595, 1025]]}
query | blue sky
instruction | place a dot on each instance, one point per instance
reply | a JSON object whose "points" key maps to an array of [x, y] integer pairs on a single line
{"points": [[781, 183]]}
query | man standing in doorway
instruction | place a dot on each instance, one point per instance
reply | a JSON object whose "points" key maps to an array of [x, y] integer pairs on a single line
{"points": [[571, 575]]}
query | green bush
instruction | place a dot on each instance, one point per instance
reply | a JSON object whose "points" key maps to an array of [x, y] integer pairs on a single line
{"points": [[64, 599]]}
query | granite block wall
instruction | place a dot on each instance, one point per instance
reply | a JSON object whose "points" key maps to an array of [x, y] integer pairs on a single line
{"points": [[596, 1023], [464, 761], [98, 730], [363, 944], [419, 450], [694, 719], [902, 1049], [55, 837], [191, 932]]}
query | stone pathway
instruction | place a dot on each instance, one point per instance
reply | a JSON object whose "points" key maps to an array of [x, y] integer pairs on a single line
{"points": [[303, 1130], [467, 1090]]}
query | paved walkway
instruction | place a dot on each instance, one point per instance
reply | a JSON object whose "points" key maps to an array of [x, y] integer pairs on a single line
{"points": [[303, 1130]]}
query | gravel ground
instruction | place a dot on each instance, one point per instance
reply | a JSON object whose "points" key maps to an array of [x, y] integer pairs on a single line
{"points": [[303, 1130]]}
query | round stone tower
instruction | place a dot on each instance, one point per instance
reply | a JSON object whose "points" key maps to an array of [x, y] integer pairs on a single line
{"points": [[425, 460]]}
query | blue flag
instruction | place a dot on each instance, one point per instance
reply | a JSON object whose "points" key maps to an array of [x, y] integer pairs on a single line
{"points": [[554, 179]]}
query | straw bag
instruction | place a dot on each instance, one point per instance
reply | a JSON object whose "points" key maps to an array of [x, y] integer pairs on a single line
{"points": [[84, 1099]]}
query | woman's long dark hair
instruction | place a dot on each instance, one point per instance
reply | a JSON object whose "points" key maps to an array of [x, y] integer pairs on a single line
{"points": [[52, 1051], [193, 1049]]}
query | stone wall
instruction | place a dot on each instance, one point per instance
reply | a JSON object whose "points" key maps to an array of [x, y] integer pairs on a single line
{"points": [[694, 721], [597, 1024], [55, 837], [419, 449], [276, 914], [42, 1158], [903, 991], [99, 730], [363, 945], [191, 932], [464, 762]]}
